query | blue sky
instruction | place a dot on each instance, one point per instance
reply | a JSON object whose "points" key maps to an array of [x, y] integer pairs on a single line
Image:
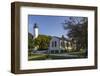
{"points": [[48, 25]]}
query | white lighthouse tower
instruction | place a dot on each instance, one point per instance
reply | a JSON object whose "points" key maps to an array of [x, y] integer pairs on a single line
{"points": [[35, 31]]}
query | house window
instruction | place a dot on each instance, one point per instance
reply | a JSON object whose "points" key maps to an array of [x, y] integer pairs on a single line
{"points": [[62, 44], [70, 44], [67, 44], [52, 44], [55, 43]]}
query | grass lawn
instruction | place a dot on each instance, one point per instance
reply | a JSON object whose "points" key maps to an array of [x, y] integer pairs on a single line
{"points": [[37, 57], [32, 56]]}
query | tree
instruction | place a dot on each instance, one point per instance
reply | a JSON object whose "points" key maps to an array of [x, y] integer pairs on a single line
{"points": [[42, 41], [30, 43], [77, 29]]}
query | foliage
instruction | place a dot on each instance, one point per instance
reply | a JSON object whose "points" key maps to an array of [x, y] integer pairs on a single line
{"points": [[77, 29], [42, 41], [30, 43]]}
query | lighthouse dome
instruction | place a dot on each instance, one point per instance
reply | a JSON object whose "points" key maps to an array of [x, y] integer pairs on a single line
{"points": [[35, 25]]}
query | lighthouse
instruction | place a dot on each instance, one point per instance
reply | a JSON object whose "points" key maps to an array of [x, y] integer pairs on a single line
{"points": [[35, 30]]}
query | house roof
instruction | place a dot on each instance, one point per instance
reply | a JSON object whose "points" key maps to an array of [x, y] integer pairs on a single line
{"points": [[60, 38]]}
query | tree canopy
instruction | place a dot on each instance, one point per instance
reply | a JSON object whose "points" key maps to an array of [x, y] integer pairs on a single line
{"points": [[42, 42], [77, 29]]}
